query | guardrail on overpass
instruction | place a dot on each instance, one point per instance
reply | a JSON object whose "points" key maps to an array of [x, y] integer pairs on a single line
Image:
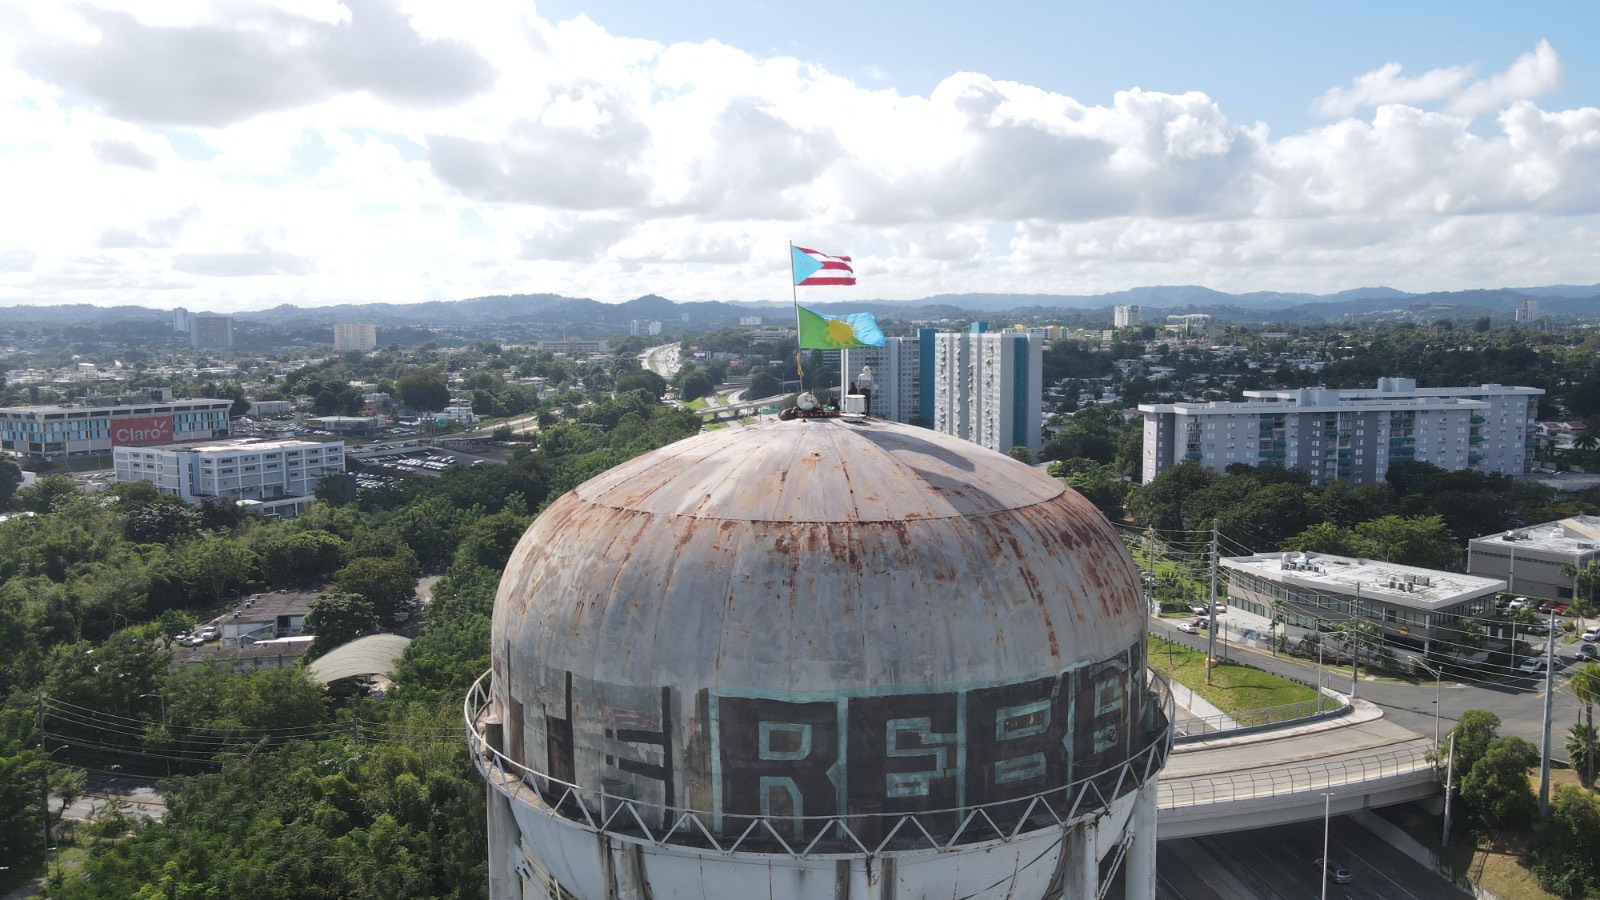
{"points": [[1293, 790]]}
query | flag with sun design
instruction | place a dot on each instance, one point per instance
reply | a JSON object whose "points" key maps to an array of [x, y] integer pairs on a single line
{"points": [[822, 332]]}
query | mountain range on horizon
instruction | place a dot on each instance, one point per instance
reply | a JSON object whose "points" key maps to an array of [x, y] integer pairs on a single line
{"points": [[1360, 304]]}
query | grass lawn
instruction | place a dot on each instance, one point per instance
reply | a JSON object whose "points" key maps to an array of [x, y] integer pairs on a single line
{"points": [[1234, 688], [697, 405]]}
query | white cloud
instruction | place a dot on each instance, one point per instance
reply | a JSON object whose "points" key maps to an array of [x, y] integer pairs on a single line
{"points": [[1533, 74], [411, 151]]}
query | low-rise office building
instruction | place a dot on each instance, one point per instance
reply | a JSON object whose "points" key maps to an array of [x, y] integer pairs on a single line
{"points": [[98, 424], [1538, 560], [1320, 590], [274, 477]]}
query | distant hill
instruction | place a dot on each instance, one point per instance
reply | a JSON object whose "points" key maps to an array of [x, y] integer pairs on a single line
{"points": [[587, 317]]}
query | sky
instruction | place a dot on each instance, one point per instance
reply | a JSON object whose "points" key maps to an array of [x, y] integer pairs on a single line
{"points": [[227, 155]]}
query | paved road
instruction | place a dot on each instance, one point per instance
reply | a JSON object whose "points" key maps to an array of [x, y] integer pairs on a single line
{"points": [[138, 793], [1280, 862]]}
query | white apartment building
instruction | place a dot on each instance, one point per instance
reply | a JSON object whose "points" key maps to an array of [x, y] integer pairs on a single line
{"points": [[1349, 435], [360, 336], [275, 477], [1125, 315], [986, 388], [896, 378]]}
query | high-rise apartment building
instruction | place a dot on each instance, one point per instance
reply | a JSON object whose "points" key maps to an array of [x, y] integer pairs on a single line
{"points": [[1528, 311], [896, 378], [1349, 435], [180, 320], [1125, 315], [361, 336], [986, 387], [208, 331]]}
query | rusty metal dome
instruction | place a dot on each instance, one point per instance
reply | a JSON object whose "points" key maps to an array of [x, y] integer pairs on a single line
{"points": [[818, 555], [933, 625]]}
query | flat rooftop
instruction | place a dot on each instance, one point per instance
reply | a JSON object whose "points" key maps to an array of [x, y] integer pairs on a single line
{"points": [[1376, 580], [234, 445], [1577, 535], [269, 606]]}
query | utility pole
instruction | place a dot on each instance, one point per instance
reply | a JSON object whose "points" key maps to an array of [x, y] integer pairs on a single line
{"points": [[1449, 787], [1549, 691], [1211, 632], [44, 778], [1355, 646]]}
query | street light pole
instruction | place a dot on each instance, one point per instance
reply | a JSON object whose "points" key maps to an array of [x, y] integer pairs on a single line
{"points": [[1327, 803], [1438, 677]]}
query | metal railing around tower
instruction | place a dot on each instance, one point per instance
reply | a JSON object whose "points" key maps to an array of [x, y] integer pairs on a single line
{"points": [[946, 830]]}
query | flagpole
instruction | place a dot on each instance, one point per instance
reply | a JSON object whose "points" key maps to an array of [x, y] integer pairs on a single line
{"points": [[794, 293]]}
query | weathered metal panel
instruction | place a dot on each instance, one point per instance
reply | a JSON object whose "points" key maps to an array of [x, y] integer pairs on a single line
{"points": [[815, 580]]}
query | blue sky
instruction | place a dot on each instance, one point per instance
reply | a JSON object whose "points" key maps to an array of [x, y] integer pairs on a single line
{"points": [[241, 155], [1260, 61]]}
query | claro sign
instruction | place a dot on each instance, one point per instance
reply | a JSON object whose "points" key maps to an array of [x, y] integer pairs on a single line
{"points": [[141, 432]]}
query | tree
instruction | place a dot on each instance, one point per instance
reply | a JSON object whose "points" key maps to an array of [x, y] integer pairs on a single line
{"points": [[696, 385], [214, 566], [763, 384], [45, 494], [300, 558], [1585, 685], [10, 477], [1021, 454], [1564, 860], [339, 617], [1583, 751], [1495, 793], [160, 521], [385, 583], [644, 380], [424, 389]]}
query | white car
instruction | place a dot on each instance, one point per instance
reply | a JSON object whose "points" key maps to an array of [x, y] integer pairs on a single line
{"points": [[1593, 634], [1534, 664]]}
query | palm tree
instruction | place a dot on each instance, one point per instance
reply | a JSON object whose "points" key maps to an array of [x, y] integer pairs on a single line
{"points": [[1588, 440], [1586, 687], [1583, 749]]}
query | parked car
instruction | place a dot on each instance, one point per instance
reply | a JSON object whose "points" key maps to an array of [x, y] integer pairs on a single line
{"points": [[1588, 651], [1561, 609], [1336, 873], [1518, 603], [1201, 609], [1534, 664], [1592, 634], [1546, 606], [1188, 627]]}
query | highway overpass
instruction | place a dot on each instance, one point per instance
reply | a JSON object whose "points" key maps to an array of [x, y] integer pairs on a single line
{"points": [[1264, 778]]}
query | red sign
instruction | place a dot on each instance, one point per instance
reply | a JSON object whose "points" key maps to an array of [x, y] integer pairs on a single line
{"points": [[141, 432]]}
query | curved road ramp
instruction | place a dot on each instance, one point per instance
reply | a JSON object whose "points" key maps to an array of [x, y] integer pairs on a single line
{"points": [[1273, 777]]}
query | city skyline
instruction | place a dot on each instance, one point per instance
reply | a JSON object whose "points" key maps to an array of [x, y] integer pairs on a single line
{"points": [[315, 153]]}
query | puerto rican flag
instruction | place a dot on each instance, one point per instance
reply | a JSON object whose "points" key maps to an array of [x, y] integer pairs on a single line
{"points": [[813, 268]]}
